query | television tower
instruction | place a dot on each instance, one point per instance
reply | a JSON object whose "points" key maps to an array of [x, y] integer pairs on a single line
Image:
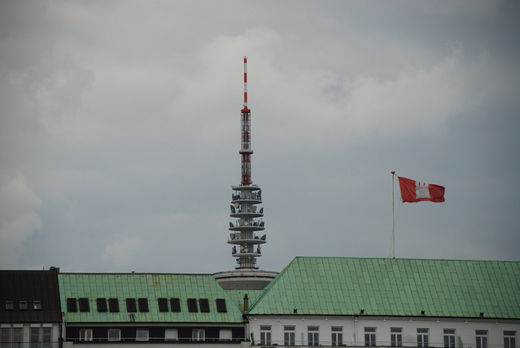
{"points": [[244, 200]]}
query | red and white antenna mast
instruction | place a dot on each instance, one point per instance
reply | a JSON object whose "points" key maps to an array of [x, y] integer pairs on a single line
{"points": [[245, 150]]}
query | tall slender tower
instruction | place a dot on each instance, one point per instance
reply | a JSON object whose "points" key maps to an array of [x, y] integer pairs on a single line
{"points": [[247, 223], [244, 200]]}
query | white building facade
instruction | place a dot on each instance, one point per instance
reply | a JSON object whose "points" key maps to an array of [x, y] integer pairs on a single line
{"points": [[382, 331]]}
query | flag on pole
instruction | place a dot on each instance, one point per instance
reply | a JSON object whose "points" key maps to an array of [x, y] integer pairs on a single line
{"points": [[414, 191]]}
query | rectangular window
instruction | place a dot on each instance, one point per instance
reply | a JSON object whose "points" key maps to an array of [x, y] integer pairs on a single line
{"points": [[192, 305], [204, 305], [46, 337], [37, 305], [5, 336], [72, 305], [9, 305], [101, 304], [175, 303], [40, 337], [35, 337], [481, 338], [225, 335], [114, 335], [131, 306], [221, 305], [370, 337], [16, 337], [198, 334], [509, 339], [143, 304], [337, 336], [84, 305], [396, 338], [313, 335], [171, 335], [113, 305], [163, 305], [288, 335], [422, 337], [23, 305], [449, 338], [85, 335], [265, 335], [141, 335]]}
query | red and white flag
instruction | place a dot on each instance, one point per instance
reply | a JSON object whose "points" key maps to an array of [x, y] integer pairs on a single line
{"points": [[415, 191]]}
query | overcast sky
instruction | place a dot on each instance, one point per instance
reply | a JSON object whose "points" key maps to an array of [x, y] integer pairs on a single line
{"points": [[120, 130]]}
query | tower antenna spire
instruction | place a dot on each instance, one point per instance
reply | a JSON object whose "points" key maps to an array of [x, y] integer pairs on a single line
{"points": [[245, 82]]}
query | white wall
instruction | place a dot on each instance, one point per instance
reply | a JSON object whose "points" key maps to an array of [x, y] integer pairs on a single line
{"points": [[26, 332], [353, 329]]}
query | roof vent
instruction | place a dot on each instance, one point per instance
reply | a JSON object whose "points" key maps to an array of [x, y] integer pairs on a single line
{"points": [[362, 311], [423, 312], [482, 314], [295, 311]]}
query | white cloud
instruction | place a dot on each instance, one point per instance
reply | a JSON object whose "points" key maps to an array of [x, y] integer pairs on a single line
{"points": [[19, 216]]}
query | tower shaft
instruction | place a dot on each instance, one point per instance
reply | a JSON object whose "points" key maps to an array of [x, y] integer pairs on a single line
{"points": [[245, 199]]}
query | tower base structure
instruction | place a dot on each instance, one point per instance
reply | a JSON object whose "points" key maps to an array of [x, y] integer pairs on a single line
{"points": [[244, 279]]}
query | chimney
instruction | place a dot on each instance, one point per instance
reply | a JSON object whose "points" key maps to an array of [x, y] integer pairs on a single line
{"points": [[246, 303]]}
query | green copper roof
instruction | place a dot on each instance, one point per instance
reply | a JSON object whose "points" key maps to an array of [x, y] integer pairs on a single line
{"points": [[150, 286], [394, 287]]}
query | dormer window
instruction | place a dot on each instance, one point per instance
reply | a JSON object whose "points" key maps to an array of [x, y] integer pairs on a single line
{"points": [[9, 305], [23, 305], [37, 305]]}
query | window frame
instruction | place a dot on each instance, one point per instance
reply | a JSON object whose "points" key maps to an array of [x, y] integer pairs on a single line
{"points": [[37, 305], [85, 335], [204, 305], [509, 339], [192, 305], [336, 336], [423, 337], [175, 304], [481, 338], [396, 337], [131, 305], [23, 305], [221, 305], [289, 335], [168, 337], [72, 305], [142, 338], [313, 335], [198, 334], [114, 339], [370, 336], [142, 304], [113, 305], [84, 305], [162, 304], [265, 335], [101, 305], [9, 305], [449, 338]]}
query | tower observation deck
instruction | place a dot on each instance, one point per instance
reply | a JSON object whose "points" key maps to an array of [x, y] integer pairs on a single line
{"points": [[246, 229]]}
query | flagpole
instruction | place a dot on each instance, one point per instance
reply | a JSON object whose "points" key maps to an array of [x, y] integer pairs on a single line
{"points": [[393, 215]]}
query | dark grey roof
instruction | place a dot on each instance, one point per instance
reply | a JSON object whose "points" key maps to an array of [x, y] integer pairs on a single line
{"points": [[29, 286]]}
